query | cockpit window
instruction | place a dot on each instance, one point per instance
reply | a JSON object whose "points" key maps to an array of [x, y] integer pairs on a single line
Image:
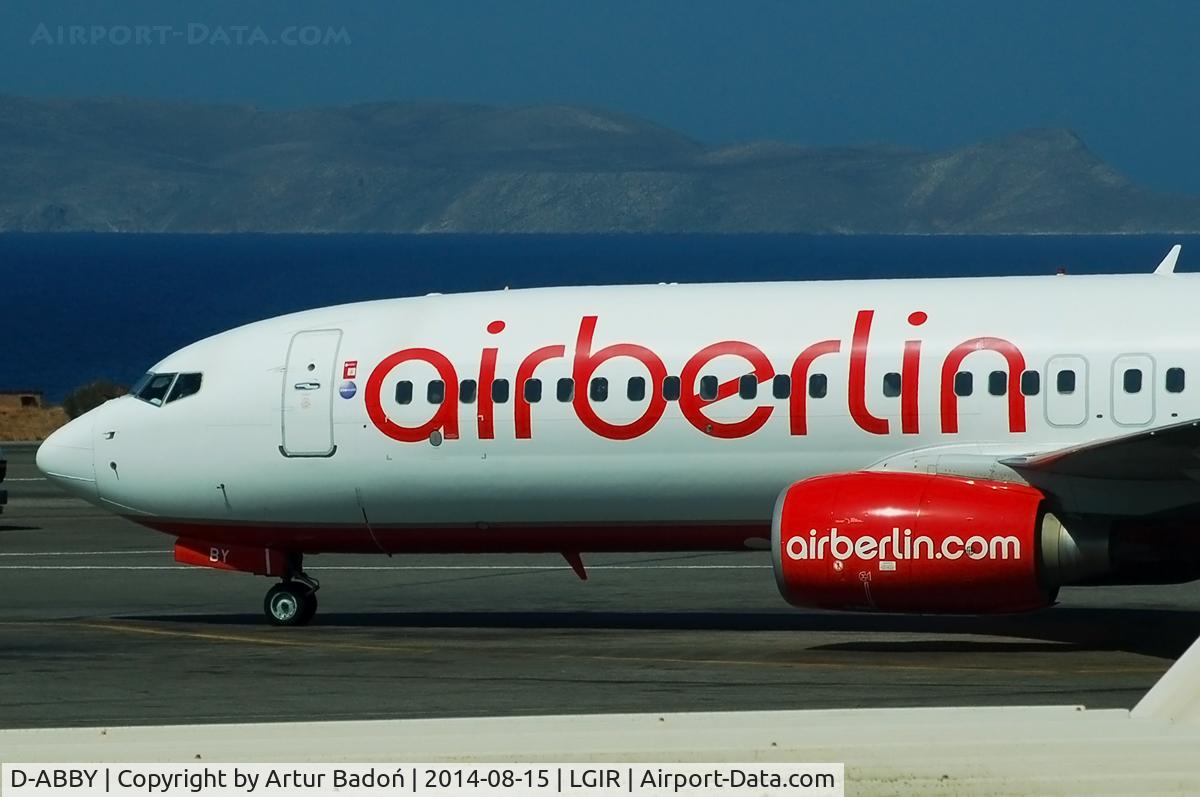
{"points": [[155, 388], [159, 389], [140, 385], [186, 385]]}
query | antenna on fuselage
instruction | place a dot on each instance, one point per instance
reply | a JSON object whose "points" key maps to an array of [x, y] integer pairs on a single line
{"points": [[1167, 266]]}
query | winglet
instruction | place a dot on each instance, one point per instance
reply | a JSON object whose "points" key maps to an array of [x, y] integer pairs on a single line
{"points": [[1167, 266]]}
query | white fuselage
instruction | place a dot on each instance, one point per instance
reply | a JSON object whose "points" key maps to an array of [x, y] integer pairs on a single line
{"points": [[268, 441]]}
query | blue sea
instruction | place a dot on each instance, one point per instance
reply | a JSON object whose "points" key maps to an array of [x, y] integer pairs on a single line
{"points": [[76, 307]]}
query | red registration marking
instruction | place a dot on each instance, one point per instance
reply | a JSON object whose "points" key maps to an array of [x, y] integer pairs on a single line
{"points": [[201, 553]]}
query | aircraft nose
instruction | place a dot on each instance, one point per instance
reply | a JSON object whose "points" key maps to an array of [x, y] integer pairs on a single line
{"points": [[66, 457]]}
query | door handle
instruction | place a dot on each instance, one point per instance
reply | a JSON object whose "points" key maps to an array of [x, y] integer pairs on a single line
{"points": [[307, 386]]}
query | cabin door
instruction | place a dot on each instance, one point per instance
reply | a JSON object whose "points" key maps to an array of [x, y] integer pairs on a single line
{"points": [[308, 394]]}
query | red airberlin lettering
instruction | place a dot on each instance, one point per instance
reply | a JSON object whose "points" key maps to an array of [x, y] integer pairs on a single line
{"points": [[524, 421], [445, 417], [487, 377], [910, 374], [858, 377], [1012, 358], [587, 359], [798, 403], [586, 364], [692, 405]]}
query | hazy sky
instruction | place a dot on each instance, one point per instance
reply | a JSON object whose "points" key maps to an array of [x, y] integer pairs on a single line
{"points": [[928, 75]]}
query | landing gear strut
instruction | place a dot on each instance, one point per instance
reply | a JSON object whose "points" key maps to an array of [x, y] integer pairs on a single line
{"points": [[293, 602]]}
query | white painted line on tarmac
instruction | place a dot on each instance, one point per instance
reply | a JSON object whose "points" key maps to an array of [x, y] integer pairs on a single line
{"points": [[399, 567], [542, 567], [98, 567], [34, 479], [83, 553]]}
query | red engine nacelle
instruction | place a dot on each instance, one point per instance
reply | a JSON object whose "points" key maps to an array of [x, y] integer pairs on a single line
{"points": [[911, 542]]}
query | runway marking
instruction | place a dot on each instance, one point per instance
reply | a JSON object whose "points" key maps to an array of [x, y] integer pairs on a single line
{"points": [[542, 567], [181, 568], [386, 567], [209, 636], [38, 479], [83, 553], [877, 666], [444, 645], [251, 640]]}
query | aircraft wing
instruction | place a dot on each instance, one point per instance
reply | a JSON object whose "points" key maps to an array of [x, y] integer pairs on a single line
{"points": [[1166, 453]]}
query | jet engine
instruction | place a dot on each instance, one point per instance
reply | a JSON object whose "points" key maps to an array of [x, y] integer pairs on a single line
{"points": [[915, 542]]}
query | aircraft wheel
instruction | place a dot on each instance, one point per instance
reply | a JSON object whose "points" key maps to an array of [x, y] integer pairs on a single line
{"points": [[290, 604], [310, 608]]}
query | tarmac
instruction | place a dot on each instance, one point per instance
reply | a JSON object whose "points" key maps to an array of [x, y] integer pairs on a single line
{"points": [[99, 627]]}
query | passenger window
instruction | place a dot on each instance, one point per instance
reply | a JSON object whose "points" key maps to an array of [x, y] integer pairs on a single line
{"points": [[1131, 380], [1066, 382], [636, 390], [156, 388], [185, 385], [670, 388], [818, 386], [781, 386], [891, 385], [467, 391], [533, 390], [748, 386], [997, 383], [500, 391], [404, 392], [1031, 383], [708, 387], [436, 392], [1174, 380], [599, 389], [964, 383], [566, 389]]}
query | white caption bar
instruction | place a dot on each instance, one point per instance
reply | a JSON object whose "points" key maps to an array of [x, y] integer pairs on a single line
{"points": [[448, 780]]}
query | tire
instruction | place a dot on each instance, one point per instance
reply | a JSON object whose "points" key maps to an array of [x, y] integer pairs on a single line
{"points": [[310, 608], [290, 604]]}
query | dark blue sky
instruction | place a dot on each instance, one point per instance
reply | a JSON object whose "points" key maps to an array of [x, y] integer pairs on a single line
{"points": [[928, 75]]}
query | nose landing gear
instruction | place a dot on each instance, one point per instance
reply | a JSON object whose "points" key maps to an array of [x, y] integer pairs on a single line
{"points": [[294, 601], [290, 603]]}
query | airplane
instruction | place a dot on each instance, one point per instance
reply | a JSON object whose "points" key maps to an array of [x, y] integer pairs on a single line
{"points": [[963, 445]]}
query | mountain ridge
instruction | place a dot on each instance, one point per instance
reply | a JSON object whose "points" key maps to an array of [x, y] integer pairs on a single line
{"points": [[142, 166]]}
